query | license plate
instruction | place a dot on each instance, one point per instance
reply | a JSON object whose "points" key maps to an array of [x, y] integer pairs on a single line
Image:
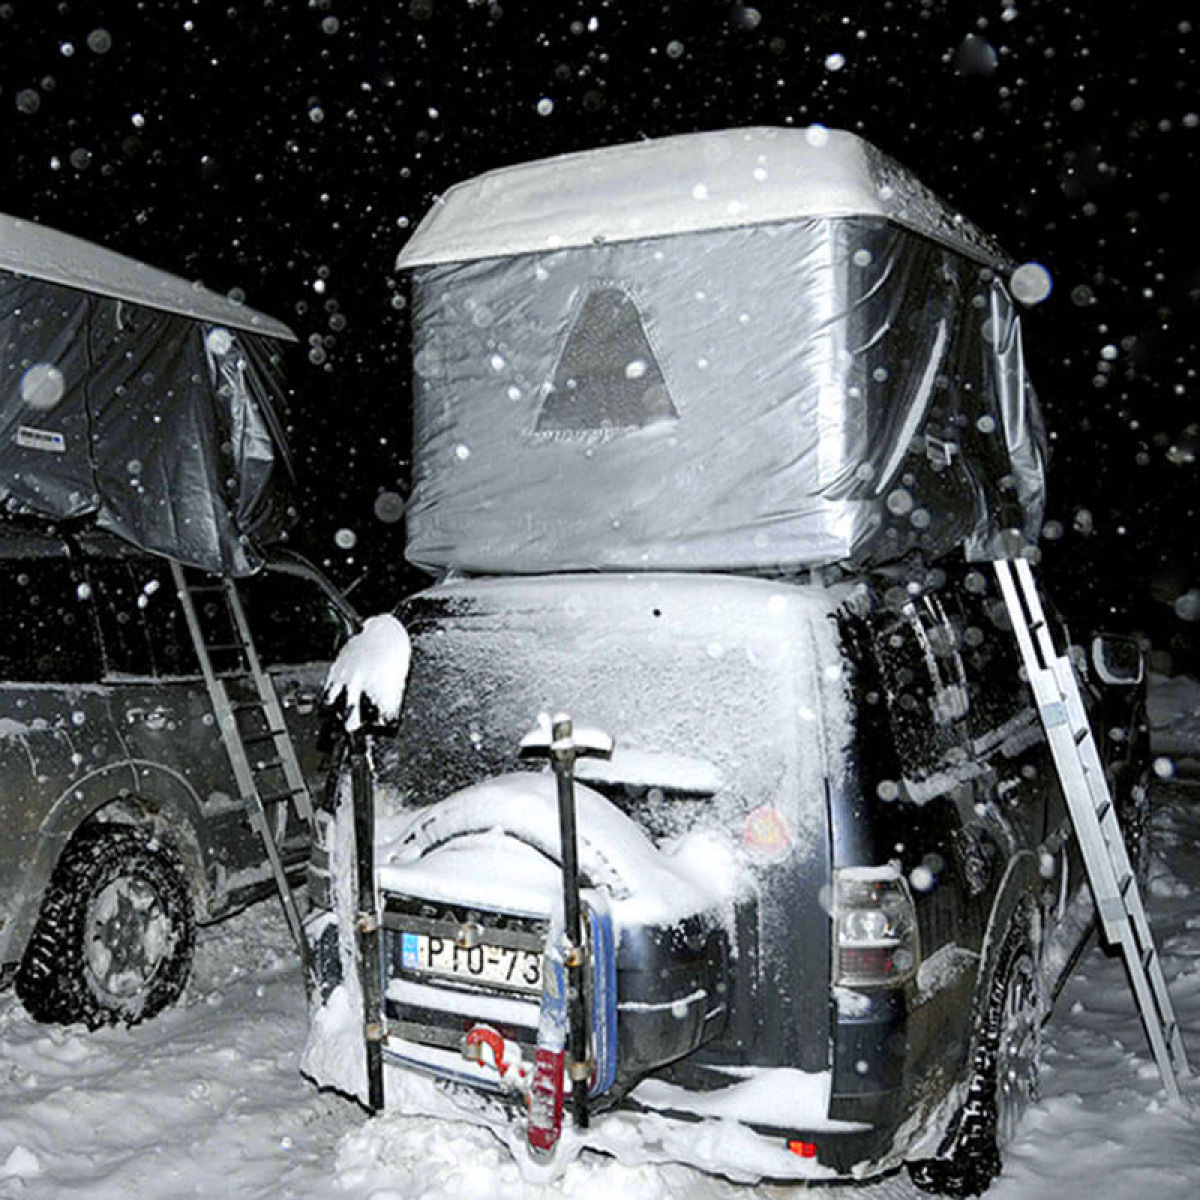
{"points": [[519, 969]]}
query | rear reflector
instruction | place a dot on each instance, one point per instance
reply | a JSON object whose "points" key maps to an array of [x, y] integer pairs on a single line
{"points": [[876, 963], [803, 1149]]}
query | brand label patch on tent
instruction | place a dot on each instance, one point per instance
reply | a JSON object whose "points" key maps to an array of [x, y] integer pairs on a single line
{"points": [[608, 376], [41, 439]]}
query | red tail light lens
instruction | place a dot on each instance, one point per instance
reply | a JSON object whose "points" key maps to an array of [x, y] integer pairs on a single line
{"points": [[875, 928]]}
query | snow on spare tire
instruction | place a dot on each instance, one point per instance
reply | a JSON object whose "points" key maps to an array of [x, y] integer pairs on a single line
{"points": [[115, 936]]}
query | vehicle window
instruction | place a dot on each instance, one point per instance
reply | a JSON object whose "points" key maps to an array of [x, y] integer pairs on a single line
{"points": [[291, 618], [120, 604], [48, 634], [921, 671], [992, 662], [171, 649]]}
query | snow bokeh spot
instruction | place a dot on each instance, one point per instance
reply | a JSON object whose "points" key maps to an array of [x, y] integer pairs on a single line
{"points": [[976, 56], [219, 341], [389, 507], [1031, 283], [43, 386], [1187, 605]]}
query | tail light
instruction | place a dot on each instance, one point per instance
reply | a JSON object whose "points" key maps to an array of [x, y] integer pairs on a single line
{"points": [[875, 928]]}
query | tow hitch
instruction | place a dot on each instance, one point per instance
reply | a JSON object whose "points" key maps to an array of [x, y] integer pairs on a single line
{"points": [[562, 1045]]}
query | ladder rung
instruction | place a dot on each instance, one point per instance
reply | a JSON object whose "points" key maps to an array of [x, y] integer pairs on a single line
{"points": [[220, 647], [1102, 810], [274, 797], [1082, 734], [1125, 884], [246, 705], [203, 589], [257, 739], [268, 764], [1148, 956]]}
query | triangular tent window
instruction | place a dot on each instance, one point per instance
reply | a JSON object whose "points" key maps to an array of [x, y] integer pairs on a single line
{"points": [[608, 376]]}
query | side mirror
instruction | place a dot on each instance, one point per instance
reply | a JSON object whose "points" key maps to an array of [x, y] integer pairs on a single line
{"points": [[1118, 660]]}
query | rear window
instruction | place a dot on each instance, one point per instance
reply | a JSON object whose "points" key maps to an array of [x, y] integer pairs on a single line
{"points": [[48, 634], [291, 618]]}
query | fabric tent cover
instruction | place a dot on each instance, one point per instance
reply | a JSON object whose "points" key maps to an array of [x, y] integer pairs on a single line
{"points": [[139, 401], [160, 427], [768, 397]]}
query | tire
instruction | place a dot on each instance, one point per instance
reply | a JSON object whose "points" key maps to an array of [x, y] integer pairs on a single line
{"points": [[1003, 1081], [115, 937]]}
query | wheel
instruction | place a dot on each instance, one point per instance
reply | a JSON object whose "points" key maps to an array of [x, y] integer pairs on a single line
{"points": [[115, 937], [1003, 1083]]}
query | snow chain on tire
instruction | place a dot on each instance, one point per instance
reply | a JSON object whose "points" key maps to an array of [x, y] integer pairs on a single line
{"points": [[118, 899], [969, 1159]]}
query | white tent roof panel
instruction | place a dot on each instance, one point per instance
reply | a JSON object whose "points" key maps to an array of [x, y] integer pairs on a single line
{"points": [[683, 184], [33, 250]]}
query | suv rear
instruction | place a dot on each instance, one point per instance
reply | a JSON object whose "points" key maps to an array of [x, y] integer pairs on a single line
{"points": [[828, 853]]}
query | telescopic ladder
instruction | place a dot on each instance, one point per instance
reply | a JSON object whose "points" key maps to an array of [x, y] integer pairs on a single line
{"points": [[1106, 859], [251, 722]]}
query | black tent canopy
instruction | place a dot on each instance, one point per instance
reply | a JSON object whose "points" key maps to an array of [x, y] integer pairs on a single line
{"points": [[138, 401]]}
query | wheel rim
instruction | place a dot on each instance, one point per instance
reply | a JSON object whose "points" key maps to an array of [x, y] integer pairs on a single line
{"points": [[127, 936], [1017, 1050]]}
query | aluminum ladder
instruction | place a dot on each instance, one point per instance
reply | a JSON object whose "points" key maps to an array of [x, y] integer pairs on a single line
{"points": [[252, 728], [1106, 859]]}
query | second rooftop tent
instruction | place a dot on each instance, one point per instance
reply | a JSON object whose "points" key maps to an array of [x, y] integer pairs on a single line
{"points": [[134, 400]]}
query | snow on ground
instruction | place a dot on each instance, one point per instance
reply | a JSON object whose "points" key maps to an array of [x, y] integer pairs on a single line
{"points": [[1175, 724], [207, 1101]]}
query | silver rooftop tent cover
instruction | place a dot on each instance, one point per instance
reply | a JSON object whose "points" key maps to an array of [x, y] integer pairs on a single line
{"points": [[699, 181], [134, 399], [757, 349]]}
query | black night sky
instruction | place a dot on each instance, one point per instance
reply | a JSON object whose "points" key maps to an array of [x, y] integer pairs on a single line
{"points": [[284, 148]]}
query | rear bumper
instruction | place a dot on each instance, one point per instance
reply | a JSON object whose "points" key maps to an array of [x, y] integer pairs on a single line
{"points": [[656, 1123]]}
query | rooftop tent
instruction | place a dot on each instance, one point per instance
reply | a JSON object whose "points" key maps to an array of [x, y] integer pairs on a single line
{"points": [[136, 400], [757, 349]]}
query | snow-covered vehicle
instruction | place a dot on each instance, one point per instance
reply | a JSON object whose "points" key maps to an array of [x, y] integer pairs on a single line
{"points": [[714, 440], [139, 430]]}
